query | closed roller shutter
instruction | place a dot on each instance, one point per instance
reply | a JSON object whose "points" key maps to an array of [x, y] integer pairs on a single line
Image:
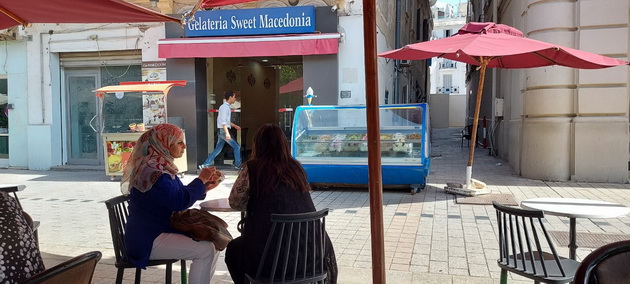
{"points": [[103, 58]]}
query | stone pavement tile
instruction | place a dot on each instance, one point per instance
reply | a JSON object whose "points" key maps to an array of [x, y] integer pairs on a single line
{"points": [[426, 278], [438, 267], [457, 263], [440, 234], [420, 259], [458, 271], [438, 255], [457, 251]]}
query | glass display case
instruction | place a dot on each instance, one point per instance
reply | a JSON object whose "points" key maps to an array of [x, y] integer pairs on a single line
{"points": [[331, 144]]}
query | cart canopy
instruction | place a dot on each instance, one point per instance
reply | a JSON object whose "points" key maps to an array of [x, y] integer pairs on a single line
{"points": [[154, 86]]}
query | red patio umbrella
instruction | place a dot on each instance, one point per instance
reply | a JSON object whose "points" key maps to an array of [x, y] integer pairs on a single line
{"points": [[24, 12], [208, 4], [500, 46], [205, 4]]}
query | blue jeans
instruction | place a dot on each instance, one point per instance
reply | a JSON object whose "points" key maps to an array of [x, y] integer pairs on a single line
{"points": [[220, 143]]}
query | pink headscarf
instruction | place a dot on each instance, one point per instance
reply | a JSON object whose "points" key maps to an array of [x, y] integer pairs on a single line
{"points": [[151, 158]]}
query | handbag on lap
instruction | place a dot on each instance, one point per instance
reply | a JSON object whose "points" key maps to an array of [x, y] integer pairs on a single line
{"points": [[202, 226]]}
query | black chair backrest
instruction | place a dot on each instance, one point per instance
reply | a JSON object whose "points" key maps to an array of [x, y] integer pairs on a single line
{"points": [[607, 264], [77, 270], [118, 213], [296, 246], [523, 239]]}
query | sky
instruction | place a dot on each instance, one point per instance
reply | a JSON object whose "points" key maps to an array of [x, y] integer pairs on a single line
{"points": [[455, 3], [452, 2]]}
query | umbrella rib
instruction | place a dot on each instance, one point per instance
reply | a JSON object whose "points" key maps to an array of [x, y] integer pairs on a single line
{"points": [[545, 57], [13, 16]]}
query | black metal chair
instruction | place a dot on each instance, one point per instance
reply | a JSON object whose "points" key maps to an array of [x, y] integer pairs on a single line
{"points": [[77, 270], [118, 215], [466, 135], [295, 246], [522, 241], [609, 264]]}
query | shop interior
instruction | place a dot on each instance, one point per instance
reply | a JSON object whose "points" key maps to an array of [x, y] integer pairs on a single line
{"points": [[267, 90]]}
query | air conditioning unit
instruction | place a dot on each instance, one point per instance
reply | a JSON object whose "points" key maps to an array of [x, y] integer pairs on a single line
{"points": [[405, 63]]}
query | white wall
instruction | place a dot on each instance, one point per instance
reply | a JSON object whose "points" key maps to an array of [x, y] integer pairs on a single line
{"points": [[351, 58], [14, 65], [42, 93]]}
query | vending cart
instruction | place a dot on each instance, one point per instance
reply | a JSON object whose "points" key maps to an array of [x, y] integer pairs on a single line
{"points": [[128, 110], [331, 144]]}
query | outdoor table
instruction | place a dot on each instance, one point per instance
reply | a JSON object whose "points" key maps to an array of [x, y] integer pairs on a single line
{"points": [[576, 208], [222, 205]]}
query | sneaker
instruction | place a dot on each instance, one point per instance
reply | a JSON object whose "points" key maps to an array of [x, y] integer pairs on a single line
{"points": [[237, 168], [203, 166]]}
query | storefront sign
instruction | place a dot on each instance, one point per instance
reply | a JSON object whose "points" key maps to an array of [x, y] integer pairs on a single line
{"points": [[285, 20], [154, 71]]}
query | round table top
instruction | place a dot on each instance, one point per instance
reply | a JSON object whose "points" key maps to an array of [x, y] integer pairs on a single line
{"points": [[221, 204], [576, 208]]}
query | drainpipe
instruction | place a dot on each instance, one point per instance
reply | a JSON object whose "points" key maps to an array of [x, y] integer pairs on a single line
{"points": [[397, 46]]}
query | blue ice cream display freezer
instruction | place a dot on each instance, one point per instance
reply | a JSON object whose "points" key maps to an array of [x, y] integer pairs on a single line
{"points": [[331, 144]]}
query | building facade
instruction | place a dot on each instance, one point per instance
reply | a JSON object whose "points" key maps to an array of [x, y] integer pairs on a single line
{"points": [[558, 123], [448, 77], [51, 70]]}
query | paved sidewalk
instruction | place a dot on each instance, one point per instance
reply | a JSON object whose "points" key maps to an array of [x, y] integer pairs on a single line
{"points": [[428, 237]]}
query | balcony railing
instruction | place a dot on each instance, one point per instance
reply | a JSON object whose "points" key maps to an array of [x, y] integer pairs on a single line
{"points": [[447, 90]]}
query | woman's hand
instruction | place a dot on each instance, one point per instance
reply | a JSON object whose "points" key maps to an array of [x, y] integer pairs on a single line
{"points": [[211, 177]]}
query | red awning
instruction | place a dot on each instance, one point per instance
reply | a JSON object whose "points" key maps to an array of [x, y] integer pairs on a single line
{"points": [[250, 46], [24, 12], [293, 86]]}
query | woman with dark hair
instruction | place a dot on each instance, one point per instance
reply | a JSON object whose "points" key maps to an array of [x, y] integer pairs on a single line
{"points": [[270, 182]]}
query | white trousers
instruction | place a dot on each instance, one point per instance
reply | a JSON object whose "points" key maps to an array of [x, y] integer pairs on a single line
{"points": [[203, 254]]}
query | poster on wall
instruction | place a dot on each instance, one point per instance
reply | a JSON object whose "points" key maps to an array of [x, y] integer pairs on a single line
{"points": [[153, 109], [118, 154], [154, 71]]}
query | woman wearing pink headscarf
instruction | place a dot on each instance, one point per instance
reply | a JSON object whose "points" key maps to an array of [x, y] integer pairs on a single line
{"points": [[150, 179]]}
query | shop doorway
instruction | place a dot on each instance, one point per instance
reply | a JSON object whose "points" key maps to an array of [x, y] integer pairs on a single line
{"points": [[267, 90], [84, 146], [84, 143]]}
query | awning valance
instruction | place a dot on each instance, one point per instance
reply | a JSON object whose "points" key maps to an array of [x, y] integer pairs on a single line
{"points": [[251, 46]]}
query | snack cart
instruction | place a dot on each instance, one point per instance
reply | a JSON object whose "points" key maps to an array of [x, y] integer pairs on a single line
{"points": [[331, 144], [128, 110]]}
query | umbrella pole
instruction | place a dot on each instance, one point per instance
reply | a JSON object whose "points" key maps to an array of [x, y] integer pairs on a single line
{"points": [[374, 143], [473, 136]]}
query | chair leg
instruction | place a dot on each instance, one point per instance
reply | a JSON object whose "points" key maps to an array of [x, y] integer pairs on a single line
{"points": [[169, 273], [504, 274], [184, 274], [138, 275], [119, 275]]}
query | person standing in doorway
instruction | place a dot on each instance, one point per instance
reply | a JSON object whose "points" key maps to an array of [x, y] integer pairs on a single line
{"points": [[224, 123]]}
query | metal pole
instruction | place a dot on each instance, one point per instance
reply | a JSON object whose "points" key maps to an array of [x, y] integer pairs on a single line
{"points": [[374, 142]]}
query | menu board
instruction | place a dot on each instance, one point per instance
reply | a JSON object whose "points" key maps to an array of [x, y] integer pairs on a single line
{"points": [[153, 109]]}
